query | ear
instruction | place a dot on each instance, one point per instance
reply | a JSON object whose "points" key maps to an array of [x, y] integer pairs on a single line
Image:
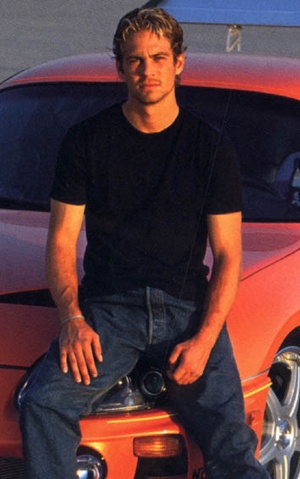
{"points": [[179, 63], [119, 68]]}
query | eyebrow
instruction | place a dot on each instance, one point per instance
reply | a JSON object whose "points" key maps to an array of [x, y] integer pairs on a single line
{"points": [[163, 52], [156, 54]]}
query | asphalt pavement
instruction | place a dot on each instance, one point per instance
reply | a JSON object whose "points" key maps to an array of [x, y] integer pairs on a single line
{"points": [[35, 31]]}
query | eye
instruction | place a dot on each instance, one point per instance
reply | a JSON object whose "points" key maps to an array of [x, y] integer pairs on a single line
{"points": [[133, 60], [160, 57]]}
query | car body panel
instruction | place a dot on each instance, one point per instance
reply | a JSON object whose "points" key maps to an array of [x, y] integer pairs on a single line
{"points": [[264, 248], [278, 76], [23, 239], [266, 311]]}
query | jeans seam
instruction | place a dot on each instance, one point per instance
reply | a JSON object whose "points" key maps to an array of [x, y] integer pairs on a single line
{"points": [[150, 315]]}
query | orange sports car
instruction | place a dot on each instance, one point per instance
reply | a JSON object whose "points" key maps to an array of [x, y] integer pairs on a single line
{"points": [[135, 435]]}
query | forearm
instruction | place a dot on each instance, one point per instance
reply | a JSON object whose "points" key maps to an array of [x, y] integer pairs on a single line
{"points": [[62, 278], [61, 259], [226, 244], [79, 344], [220, 297], [188, 360]]}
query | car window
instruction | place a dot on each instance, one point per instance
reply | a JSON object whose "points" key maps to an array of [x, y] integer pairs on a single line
{"points": [[265, 130], [34, 120]]}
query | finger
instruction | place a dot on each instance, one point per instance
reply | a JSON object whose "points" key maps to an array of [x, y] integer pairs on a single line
{"points": [[175, 371], [178, 374], [183, 379], [181, 373], [174, 355], [63, 361], [174, 358], [90, 360], [97, 349], [186, 376], [72, 359], [81, 365]]}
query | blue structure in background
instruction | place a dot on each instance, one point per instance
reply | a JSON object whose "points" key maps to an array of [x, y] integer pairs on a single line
{"points": [[284, 13]]}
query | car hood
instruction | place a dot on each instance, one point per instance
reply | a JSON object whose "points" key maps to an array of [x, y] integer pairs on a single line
{"points": [[22, 250], [24, 235], [266, 243]]}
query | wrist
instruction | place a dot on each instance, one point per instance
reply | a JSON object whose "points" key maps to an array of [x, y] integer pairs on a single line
{"points": [[209, 332], [72, 317]]}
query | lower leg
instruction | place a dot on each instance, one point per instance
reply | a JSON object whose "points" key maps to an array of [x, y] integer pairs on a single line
{"points": [[213, 412]]}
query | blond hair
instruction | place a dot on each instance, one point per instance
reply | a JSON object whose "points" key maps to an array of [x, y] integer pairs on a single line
{"points": [[155, 20]]}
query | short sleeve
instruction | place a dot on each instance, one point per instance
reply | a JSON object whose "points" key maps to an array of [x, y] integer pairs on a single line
{"points": [[71, 169]]}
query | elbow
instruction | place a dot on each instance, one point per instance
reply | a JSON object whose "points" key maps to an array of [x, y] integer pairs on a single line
{"points": [[228, 266]]}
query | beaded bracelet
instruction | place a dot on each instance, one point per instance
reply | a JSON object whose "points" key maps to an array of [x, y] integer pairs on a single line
{"points": [[72, 317]]}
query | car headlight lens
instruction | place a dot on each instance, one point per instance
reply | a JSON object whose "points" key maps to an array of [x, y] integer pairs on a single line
{"points": [[90, 467], [152, 383]]}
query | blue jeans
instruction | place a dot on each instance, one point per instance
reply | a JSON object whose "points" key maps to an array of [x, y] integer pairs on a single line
{"points": [[146, 322]]}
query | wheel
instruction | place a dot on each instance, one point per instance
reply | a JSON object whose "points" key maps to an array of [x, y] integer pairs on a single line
{"points": [[280, 449]]}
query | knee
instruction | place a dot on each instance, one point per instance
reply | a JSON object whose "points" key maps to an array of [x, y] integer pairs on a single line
{"points": [[44, 387], [233, 439], [34, 396]]}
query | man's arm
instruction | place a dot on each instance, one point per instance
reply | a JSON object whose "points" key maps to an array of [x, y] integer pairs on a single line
{"points": [[79, 344], [188, 359]]}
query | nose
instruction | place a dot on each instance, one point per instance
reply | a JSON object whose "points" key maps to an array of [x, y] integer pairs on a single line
{"points": [[147, 67]]}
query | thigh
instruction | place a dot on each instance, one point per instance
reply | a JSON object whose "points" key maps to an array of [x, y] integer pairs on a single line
{"points": [[121, 350], [214, 400], [52, 389], [121, 322]]}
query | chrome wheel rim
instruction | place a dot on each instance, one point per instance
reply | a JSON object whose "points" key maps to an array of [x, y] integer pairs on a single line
{"points": [[280, 449]]}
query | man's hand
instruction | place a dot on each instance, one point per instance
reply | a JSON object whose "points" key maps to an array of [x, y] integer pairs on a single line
{"points": [[80, 348], [188, 360]]}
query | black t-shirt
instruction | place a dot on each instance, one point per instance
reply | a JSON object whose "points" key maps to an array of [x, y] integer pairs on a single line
{"points": [[147, 197]]}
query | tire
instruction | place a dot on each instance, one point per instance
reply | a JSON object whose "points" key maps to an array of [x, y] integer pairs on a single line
{"points": [[280, 447]]}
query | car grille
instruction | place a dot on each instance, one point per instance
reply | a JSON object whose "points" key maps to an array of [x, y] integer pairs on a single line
{"points": [[11, 468]]}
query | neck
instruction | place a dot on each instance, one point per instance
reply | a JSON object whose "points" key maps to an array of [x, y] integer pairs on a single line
{"points": [[151, 118]]}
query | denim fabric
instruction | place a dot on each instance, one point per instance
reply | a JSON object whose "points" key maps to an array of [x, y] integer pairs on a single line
{"points": [[146, 322]]}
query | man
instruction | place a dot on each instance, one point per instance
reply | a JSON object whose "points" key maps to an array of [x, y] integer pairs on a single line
{"points": [[152, 181]]}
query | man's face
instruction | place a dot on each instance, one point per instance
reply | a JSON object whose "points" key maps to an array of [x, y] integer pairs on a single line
{"points": [[149, 68]]}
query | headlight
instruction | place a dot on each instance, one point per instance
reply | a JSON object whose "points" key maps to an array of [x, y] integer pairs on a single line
{"points": [[122, 398], [90, 467], [152, 383], [128, 394]]}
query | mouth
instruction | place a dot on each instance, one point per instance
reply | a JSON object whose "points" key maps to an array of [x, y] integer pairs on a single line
{"points": [[149, 85]]}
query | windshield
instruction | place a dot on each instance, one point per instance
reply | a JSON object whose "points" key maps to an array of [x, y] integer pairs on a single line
{"points": [[264, 129], [34, 120]]}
